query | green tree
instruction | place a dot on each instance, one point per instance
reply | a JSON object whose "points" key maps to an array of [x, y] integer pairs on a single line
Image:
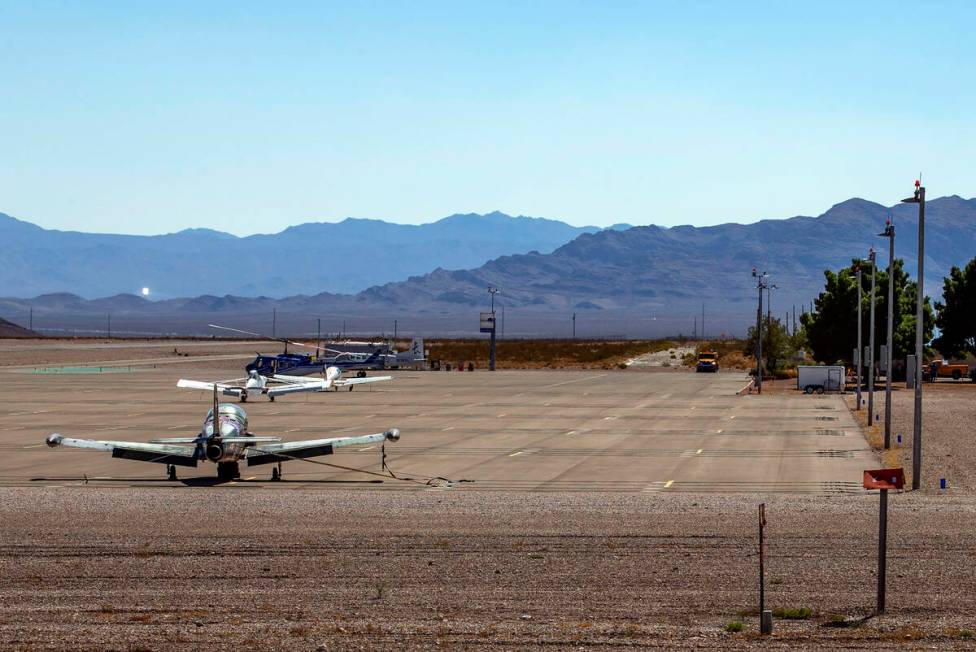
{"points": [[957, 316], [777, 345], [831, 331]]}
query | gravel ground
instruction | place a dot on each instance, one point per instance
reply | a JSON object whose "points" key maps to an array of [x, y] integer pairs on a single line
{"points": [[948, 418], [257, 569], [668, 358]]}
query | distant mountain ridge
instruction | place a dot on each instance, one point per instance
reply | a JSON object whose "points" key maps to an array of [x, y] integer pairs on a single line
{"points": [[310, 258], [618, 278]]}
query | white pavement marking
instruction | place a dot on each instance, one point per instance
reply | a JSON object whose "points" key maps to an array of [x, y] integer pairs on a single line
{"points": [[447, 428], [668, 484], [516, 453], [575, 380], [571, 432]]}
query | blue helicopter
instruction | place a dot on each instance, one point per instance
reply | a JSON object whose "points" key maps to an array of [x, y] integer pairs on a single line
{"points": [[302, 364]]}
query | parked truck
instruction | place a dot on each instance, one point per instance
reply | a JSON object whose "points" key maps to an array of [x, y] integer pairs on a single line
{"points": [[942, 369], [707, 362]]}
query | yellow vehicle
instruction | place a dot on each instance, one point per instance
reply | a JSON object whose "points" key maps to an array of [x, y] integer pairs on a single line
{"points": [[942, 369], [707, 361]]}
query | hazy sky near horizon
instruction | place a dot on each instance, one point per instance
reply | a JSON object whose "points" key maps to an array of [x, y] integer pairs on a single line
{"points": [[249, 117]]}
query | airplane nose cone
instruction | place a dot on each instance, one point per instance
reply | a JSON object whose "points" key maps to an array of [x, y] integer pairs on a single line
{"points": [[53, 440], [393, 434]]}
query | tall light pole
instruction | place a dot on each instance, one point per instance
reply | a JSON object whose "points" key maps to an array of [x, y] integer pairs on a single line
{"points": [[769, 303], [918, 198], [860, 347], [494, 327], [871, 256], [761, 284], [889, 233]]}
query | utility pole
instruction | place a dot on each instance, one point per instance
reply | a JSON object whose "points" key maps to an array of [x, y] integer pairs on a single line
{"points": [[394, 330], [318, 337], [794, 319], [918, 198], [274, 322], [760, 285], [30, 319], [889, 233], [872, 256], [491, 352], [574, 325], [769, 306], [859, 354], [703, 323]]}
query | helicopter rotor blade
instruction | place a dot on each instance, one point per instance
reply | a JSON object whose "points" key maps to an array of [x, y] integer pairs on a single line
{"points": [[275, 339]]}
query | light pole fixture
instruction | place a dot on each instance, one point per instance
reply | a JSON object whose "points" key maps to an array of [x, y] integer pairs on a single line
{"points": [[889, 233], [872, 255], [494, 329], [918, 198], [859, 353], [762, 281]]}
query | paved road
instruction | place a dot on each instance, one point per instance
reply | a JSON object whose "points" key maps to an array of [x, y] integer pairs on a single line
{"points": [[617, 431]]}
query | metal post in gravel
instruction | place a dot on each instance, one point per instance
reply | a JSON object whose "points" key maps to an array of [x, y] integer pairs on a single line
{"points": [[918, 198], [860, 347], [889, 233], [871, 257], [765, 616]]}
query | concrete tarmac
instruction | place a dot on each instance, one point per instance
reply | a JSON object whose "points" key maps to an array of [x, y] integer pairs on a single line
{"points": [[544, 431]]}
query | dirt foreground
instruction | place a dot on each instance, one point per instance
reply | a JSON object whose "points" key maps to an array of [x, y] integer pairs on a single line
{"points": [[229, 568]]}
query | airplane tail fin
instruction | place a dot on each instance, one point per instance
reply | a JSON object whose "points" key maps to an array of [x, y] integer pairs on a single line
{"points": [[417, 349]]}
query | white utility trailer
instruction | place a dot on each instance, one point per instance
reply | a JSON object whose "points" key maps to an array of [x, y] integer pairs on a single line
{"points": [[820, 378]]}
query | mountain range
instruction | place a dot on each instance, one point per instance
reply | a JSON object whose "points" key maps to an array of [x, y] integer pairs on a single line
{"points": [[344, 257], [640, 280]]}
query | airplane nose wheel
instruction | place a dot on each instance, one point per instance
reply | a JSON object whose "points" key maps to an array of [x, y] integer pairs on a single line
{"points": [[243, 397], [276, 473], [170, 472], [271, 398]]}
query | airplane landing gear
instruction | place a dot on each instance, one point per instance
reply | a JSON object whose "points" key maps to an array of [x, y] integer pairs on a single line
{"points": [[271, 398], [228, 471], [361, 374], [276, 473], [243, 397], [170, 472]]}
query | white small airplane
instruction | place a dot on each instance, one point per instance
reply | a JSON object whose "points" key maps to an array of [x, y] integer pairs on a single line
{"points": [[280, 384], [227, 445]]}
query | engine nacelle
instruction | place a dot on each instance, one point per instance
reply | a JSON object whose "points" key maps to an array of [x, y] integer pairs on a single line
{"points": [[215, 451]]}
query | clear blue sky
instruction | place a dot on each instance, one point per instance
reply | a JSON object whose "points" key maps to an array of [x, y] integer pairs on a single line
{"points": [[247, 117]]}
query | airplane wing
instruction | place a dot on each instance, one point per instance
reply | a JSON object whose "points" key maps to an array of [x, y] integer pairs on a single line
{"points": [[285, 451], [180, 455], [292, 384], [225, 387], [343, 382]]}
